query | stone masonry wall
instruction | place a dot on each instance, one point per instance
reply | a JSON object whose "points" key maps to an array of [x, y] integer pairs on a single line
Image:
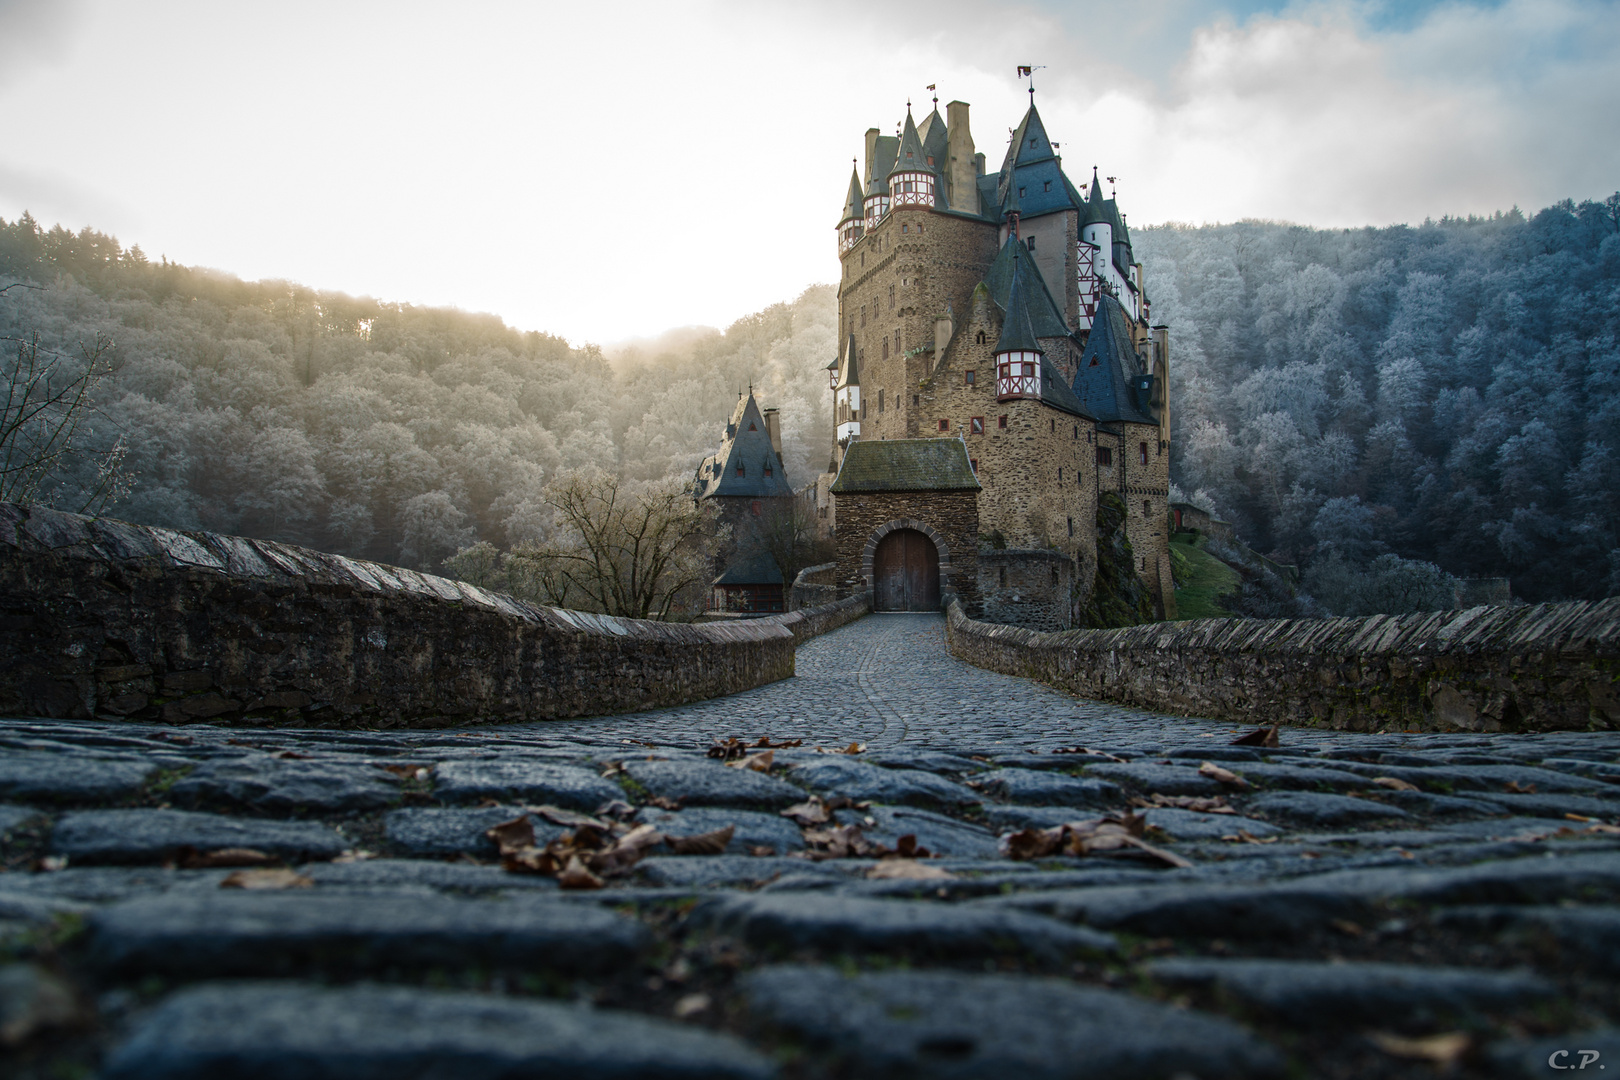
{"points": [[953, 515], [1032, 589], [100, 618], [1543, 668]]}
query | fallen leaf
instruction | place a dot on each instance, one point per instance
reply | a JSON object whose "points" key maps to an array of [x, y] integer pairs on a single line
{"points": [[1513, 787], [1345, 926], [1089, 753], [1203, 804], [617, 808], [611, 769], [760, 762], [1601, 827], [761, 850], [294, 755], [729, 749], [512, 836], [664, 802], [691, 1005], [409, 772], [192, 859], [1225, 776], [1121, 833], [1393, 783], [1442, 1050], [908, 870], [765, 743], [266, 879], [1576, 817], [568, 819], [852, 748], [841, 842], [51, 863], [1265, 736], [906, 847], [354, 855], [709, 843], [576, 876], [811, 812]]}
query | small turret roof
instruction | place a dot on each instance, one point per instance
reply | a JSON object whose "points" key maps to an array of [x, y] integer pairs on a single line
{"points": [[746, 443], [935, 138], [853, 201], [1017, 335], [848, 373], [1045, 317], [1109, 363], [911, 156]]}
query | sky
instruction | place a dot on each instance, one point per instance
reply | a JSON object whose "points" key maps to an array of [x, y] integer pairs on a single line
{"points": [[606, 172]]}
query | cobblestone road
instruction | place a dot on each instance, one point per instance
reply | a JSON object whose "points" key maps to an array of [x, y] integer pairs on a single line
{"points": [[205, 901]]}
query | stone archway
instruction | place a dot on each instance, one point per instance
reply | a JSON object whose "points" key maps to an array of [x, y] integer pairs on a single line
{"points": [[906, 565]]}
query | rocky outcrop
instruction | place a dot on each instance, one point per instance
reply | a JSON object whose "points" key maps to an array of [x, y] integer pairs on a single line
{"points": [[1118, 595], [1543, 668], [101, 618]]}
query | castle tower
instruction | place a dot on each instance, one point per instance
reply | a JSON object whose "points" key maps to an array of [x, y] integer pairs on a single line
{"points": [[850, 225], [1018, 354]]}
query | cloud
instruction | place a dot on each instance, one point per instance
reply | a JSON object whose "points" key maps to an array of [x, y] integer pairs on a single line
{"points": [[34, 32]]}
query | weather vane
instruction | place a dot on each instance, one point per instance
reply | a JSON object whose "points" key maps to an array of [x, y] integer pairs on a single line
{"points": [[1027, 71]]}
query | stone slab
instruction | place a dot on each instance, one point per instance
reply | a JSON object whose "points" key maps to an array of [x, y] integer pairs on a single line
{"points": [[273, 785], [423, 873], [277, 1031], [1312, 808], [1584, 936], [720, 871], [836, 923], [952, 1025], [1149, 777], [137, 836], [861, 780], [45, 777], [237, 933], [1045, 788], [13, 816], [941, 835], [1318, 994], [753, 828], [426, 831], [704, 782], [1191, 825], [523, 780]]}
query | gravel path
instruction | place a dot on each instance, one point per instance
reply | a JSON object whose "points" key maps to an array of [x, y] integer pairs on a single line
{"points": [[1338, 905]]}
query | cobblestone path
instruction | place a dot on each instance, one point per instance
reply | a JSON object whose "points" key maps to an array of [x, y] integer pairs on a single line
{"points": [[205, 902]]}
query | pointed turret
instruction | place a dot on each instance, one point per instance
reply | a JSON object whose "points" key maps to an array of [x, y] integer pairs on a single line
{"points": [[849, 226], [1019, 358], [1010, 210], [847, 397], [912, 182], [935, 140]]}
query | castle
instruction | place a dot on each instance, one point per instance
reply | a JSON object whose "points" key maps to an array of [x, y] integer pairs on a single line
{"points": [[997, 375]]}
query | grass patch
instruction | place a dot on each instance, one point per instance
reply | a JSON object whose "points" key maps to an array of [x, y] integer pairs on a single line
{"points": [[1204, 581]]}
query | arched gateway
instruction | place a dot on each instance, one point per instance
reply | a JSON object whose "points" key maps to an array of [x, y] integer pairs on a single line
{"points": [[905, 572]]}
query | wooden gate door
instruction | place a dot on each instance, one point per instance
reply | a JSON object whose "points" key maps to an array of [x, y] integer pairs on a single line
{"points": [[905, 569]]}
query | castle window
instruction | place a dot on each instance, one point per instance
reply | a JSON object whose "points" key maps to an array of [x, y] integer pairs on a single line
{"points": [[891, 297], [976, 426], [767, 468], [1003, 577], [1032, 144], [1001, 422], [1020, 193], [1093, 361], [905, 228], [1077, 432], [1029, 242], [751, 426], [880, 401], [1144, 453], [1060, 474], [885, 348], [968, 377], [980, 339], [758, 507], [1105, 457], [944, 425], [1054, 427], [863, 316], [1147, 508], [1048, 187], [913, 400], [742, 470], [973, 463], [1071, 533]]}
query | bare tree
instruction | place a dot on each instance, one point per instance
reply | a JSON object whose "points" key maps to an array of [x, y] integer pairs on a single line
{"points": [[635, 549], [46, 426]]}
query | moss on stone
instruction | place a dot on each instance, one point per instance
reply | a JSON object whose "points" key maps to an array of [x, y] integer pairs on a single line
{"points": [[1119, 597]]}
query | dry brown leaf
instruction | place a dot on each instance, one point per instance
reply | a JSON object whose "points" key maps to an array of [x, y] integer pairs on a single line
{"points": [[1393, 783], [620, 854], [906, 847], [852, 748], [709, 843], [615, 808], [760, 762], [576, 876], [1601, 827], [761, 850], [612, 769], [1225, 776], [1247, 837], [810, 812], [512, 836], [1266, 736], [568, 819], [192, 859], [664, 802], [1093, 837], [841, 842], [1513, 787], [729, 749], [691, 1005], [1203, 804], [406, 771], [764, 743], [266, 879], [1443, 1049], [908, 870], [1345, 926], [293, 755], [1089, 753]]}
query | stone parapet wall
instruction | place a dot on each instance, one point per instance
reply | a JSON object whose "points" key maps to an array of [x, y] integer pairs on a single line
{"points": [[107, 619], [1032, 588], [814, 585], [1543, 668]]}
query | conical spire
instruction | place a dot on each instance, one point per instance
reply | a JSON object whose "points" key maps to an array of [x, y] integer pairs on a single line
{"points": [[1017, 333], [849, 376], [912, 155], [852, 203]]}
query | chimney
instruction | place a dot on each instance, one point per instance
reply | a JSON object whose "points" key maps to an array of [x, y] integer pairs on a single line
{"points": [[773, 427], [959, 149], [871, 152]]}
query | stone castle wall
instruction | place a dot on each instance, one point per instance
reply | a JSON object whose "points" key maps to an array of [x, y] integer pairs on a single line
{"points": [[100, 618], [1549, 667], [1028, 588]]}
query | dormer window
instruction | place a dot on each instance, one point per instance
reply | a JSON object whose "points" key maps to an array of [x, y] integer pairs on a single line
{"points": [[751, 427], [1048, 186], [742, 470], [1032, 144], [767, 468], [1020, 193]]}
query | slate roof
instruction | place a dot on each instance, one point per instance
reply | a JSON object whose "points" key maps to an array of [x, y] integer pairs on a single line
{"points": [[905, 465], [884, 149], [1108, 367], [855, 198], [1045, 317], [849, 373], [1017, 335], [758, 568], [746, 443], [1036, 170], [935, 138]]}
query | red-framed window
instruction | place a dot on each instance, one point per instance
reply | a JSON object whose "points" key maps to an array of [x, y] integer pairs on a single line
{"points": [[944, 425], [1143, 453], [969, 376], [976, 425], [1001, 422], [1105, 457]]}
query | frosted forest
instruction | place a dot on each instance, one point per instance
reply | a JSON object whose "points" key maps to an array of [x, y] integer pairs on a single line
{"points": [[1443, 399]]}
